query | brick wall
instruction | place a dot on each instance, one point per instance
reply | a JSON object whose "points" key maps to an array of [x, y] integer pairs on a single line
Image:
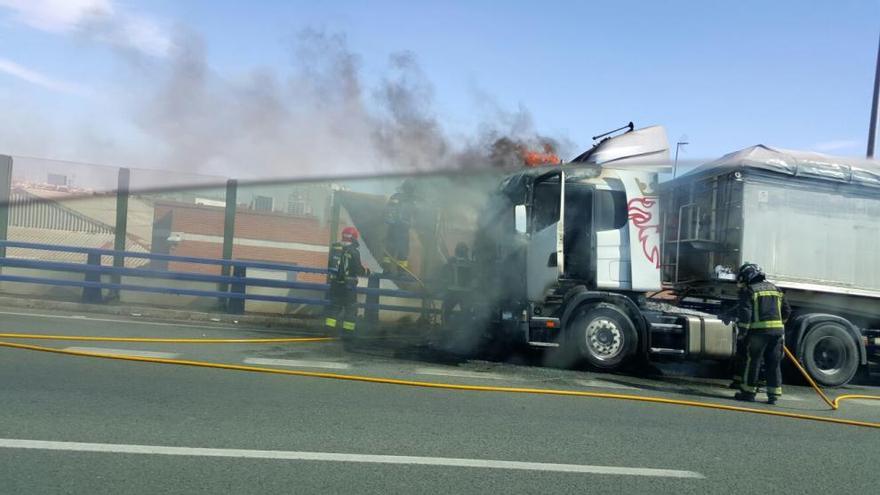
{"points": [[249, 224]]}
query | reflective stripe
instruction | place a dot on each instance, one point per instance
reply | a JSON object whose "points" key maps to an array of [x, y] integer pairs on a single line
{"points": [[774, 391], [348, 325], [760, 325], [330, 322], [768, 293]]}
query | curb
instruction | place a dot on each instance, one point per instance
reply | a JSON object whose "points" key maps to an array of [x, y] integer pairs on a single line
{"points": [[160, 314]]}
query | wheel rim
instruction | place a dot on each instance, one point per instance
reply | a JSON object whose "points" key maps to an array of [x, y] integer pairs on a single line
{"points": [[829, 354], [604, 339]]}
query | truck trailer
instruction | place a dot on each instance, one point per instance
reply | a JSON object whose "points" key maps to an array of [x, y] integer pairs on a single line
{"points": [[570, 255], [811, 221]]}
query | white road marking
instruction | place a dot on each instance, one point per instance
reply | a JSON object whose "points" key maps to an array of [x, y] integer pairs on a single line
{"points": [[293, 455], [760, 396], [126, 322], [298, 363], [604, 384], [461, 373], [124, 352], [792, 398]]}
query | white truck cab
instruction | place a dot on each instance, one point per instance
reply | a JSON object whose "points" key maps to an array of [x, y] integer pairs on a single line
{"points": [[581, 251]]}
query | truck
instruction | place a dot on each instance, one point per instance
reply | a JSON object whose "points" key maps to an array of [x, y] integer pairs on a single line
{"points": [[570, 256]]}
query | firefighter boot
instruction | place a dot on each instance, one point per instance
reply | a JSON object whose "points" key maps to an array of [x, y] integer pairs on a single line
{"points": [[772, 398], [745, 396]]}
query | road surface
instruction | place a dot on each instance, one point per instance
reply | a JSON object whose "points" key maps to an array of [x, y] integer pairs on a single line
{"points": [[86, 425]]}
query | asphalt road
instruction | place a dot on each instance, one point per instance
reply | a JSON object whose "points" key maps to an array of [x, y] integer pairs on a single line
{"points": [[87, 425]]}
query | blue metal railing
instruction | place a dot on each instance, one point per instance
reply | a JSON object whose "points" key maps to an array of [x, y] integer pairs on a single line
{"points": [[233, 299]]}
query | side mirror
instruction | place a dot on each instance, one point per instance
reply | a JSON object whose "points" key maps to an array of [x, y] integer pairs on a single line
{"points": [[519, 215]]}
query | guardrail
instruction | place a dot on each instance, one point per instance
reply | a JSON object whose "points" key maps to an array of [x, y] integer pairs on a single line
{"points": [[232, 290]]}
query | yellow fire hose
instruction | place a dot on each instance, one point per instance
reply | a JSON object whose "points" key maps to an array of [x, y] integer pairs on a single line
{"points": [[400, 265], [451, 386], [833, 404]]}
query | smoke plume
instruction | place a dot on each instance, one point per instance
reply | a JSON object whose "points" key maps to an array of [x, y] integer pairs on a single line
{"points": [[315, 117]]}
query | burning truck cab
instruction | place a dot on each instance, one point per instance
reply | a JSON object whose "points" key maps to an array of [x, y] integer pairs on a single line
{"points": [[568, 254]]}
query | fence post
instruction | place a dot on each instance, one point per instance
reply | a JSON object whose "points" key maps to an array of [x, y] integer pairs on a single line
{"points": [[334, 216], [371, 308], [121, 230], [228, 233], [92, 295], [5, 194], [236, 306]]}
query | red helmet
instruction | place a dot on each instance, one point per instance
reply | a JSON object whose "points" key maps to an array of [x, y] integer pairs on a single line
{"points": [[349, 234]]}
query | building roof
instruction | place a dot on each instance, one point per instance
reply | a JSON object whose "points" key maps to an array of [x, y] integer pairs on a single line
{"points": [[98, 240], [102, 208]]}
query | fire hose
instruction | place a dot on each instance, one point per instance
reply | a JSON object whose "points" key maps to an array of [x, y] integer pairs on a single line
{"points": [[835, 404]]}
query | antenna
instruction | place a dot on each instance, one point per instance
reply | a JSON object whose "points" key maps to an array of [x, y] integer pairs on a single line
{"points": [[629, 126]]}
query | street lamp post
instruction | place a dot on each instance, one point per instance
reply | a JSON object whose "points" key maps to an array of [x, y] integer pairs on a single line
{"points": [[872, 129], [675, 165]]}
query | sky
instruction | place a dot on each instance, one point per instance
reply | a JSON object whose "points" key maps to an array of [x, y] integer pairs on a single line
{"points": [[304, 88]]}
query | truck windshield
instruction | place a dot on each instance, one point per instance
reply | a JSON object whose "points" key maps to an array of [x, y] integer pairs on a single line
{"points": [[545, 205]]}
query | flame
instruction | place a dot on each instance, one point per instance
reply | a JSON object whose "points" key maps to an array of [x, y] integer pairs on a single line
{"points": [[534, 158]]}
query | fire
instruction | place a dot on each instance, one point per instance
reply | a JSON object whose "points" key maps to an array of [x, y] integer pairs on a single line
{"points": [[534, 158], [507, 152]]}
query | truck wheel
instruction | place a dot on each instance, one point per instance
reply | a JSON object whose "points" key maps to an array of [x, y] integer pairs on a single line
{"points": [[603, 335], [830, 356]]}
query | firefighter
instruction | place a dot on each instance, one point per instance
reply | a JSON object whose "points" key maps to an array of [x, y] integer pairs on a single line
{"points": [[459, 282], [762, 311], [345, 267], [399, 213]]}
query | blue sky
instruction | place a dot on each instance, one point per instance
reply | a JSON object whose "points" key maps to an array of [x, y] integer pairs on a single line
{"points": [[726, 75]]}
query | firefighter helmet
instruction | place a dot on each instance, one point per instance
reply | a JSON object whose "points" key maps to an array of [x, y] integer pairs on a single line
{"points": [[750, 273], [349, 234]]}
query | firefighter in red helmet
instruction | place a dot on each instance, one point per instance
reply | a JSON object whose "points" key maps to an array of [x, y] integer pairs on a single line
{"points": [[344, 265]]}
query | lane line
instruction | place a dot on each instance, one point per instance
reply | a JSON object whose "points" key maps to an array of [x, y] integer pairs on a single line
{"points": [[298, 363], [462, 373], [133, 322], [603, 384], [124, 352], [92, 338], [294, 455]]}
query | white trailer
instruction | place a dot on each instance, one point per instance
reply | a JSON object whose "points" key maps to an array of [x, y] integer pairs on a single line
{"points": [[811, 221]]}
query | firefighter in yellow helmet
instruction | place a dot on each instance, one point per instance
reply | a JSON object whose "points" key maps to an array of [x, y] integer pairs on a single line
{"points": [[399, 216]]}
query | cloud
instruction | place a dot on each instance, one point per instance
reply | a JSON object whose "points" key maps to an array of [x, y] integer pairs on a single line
{"points": [[837, 145], [13, 69], [101, 20]]}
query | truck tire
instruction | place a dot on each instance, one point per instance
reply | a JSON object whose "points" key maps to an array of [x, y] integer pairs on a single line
{"points": [[603, 335], [830, 355]]}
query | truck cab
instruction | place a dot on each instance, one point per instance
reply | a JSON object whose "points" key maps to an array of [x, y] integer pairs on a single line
{"points": [[572, 250]]}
